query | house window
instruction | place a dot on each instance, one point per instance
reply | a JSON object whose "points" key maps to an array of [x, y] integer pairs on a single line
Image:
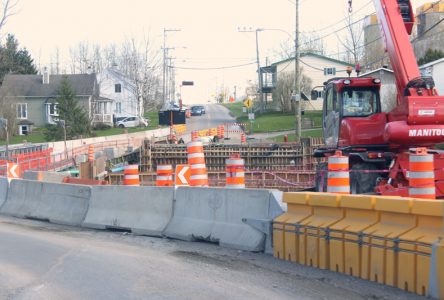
{"points": [[102, 108], [118, 108], [118, 88], [53, 109], [22, 111], [23, 129], [329, 71]]}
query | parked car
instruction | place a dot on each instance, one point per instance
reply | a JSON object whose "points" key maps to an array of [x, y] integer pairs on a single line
{"points": [[196, 111], [132, 122]]}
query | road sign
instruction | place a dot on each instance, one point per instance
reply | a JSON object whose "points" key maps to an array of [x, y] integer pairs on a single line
{"points": [[231, 100], [244, 109], [248, 103], [13, 171], [183, 174], [251, 116]]}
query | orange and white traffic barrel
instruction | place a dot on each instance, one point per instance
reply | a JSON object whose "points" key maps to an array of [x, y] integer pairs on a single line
{"points": [[338, 180], [164, 175], [91, 152], [194, 135], [196, 160], [235, 172], [243, 138], [220, 131], [131, 175], [421, 174]]}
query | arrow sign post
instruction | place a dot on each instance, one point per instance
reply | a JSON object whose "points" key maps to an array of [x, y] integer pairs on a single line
{"points": [[183, 174], [13, 171]]}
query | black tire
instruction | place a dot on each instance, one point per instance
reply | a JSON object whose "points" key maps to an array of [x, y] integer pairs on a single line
{"points": [[121, 126], [321, 177], [362, 182]]}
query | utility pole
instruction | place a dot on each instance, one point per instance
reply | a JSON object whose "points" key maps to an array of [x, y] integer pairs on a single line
{"points": [[235, 93], [259, 75], [297, 75], [164, 75]]}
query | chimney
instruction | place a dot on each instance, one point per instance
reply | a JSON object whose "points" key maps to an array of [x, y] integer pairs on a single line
{"points": [[45, 76]]}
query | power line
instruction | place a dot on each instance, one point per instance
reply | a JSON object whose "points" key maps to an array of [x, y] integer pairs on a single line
{"points": [[212, 68], [344, 19]]}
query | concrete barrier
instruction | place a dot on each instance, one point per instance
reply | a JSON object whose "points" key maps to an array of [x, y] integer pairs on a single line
{"points": [[141, 210], [44, 176], [3, 190], [235, 218], [53, 202]]}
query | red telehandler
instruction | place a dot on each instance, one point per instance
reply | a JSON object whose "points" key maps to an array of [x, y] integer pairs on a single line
{"points": [[376, 142]]}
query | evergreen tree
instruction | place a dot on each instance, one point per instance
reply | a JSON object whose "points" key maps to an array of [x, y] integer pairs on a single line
{"points": [[68, 109], [430, 55], [14, 60]]}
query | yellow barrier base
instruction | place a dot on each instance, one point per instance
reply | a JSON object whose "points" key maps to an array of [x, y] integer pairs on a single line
{"points": [[384, 239]]}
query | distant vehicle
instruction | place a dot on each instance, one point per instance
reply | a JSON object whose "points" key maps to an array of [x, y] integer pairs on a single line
{"points": [[132, 122], [202, 108], [196, 111]]}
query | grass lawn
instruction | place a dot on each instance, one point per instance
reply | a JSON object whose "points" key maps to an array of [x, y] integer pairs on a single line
{"points": [[306, 133], [272, 121], [37, 135]]}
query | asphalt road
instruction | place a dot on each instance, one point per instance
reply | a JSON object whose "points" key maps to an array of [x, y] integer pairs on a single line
{"points": [[215, 115], [40, 261]]}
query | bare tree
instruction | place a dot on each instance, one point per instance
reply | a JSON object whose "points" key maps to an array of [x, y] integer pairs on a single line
{"points": [[284, 89], [8, 9], [309, 42], [8, 111], [353, 41]]}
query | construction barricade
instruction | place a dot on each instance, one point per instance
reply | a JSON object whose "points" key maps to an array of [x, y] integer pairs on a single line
{"points": [[4, 184], [239, 219], [91, 152], [421, 174], [338, 180], [235, 172], [131, 175], [164, 175], [58, 203], [389, 240], [140, 210], [196, 160]]}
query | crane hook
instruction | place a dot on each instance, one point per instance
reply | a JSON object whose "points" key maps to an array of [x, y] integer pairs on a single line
{"points": [[350, 9]]}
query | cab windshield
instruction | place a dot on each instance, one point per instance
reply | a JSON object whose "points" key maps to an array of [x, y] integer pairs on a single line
{"points": [[359, 103]]}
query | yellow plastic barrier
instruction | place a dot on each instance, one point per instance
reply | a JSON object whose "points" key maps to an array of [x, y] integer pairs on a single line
{"points": [[313, 244], [344, 235], [415, 246], [378, 255], [285, 227], [391, 240], [180, 129], [436, 286]]}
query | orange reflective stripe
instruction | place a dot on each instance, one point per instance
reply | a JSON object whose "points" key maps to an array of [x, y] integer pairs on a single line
{"points": [[338, 181]]}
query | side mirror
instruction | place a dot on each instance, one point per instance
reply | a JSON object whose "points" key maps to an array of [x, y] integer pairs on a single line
{"points": [[314, 95]]}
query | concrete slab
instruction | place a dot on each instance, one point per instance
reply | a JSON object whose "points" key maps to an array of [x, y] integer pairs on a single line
{"points": [[217, 214], [3, 190], [57, 203], [143, 210]]}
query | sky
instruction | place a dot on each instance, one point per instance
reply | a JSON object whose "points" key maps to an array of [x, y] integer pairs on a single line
{"points": [[208, 38]]}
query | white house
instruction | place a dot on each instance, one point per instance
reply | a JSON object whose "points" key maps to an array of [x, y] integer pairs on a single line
{"points": [[436, 70], [317, 67], [388, 91], [122, 90]]}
